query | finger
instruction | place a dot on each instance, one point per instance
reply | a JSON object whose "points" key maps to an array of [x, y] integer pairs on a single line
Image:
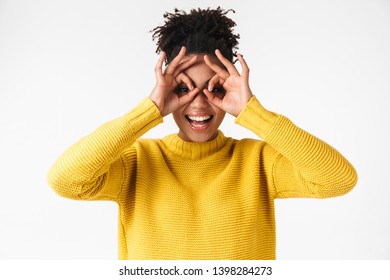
{"points": [[213, 99], [213, 81], [229, 66], [173, 64], [216, 68], [244, 66], [183, 78], [158, 68], [188, 97], [184, 65]]}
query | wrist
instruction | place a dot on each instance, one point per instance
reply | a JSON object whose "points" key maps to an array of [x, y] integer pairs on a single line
{"points": [[243, 104], [256, 118], [143, 117], [157, 102]]}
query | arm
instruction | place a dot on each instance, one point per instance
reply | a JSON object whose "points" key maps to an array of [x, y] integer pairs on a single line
{"points": [[92, 168], [306, 166]]}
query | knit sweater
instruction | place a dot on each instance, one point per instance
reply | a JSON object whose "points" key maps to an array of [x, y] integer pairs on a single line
{"points": [[210, 200]]}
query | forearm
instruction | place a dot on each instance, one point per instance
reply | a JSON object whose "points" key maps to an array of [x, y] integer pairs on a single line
{"points": [[85, 164], [316, 164]]}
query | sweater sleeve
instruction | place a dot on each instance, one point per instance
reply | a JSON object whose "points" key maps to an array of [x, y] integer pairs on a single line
{"points": [[92, 168], [305, 166]]}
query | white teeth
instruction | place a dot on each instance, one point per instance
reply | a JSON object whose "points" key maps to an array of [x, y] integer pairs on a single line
{"points": [[199, 118]]}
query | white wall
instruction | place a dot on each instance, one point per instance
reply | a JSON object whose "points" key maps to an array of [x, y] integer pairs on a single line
{"points": [[68, 66]]}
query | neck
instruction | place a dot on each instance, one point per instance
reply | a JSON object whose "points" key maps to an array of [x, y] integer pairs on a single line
{"points": [[194, 150]]}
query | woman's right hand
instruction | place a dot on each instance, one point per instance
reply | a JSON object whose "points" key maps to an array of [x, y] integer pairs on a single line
{"points": [[165, 93]]}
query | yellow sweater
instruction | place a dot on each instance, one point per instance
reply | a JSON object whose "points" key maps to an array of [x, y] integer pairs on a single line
{"points": [[212, 200]]}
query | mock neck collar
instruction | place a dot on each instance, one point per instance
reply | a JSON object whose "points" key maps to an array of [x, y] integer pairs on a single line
{"points": [[194, 150]]}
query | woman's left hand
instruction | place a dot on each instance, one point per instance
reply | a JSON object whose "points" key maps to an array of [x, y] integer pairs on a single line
{"points": [[236, 85]]}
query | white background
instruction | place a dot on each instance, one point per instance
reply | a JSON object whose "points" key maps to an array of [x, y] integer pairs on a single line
{"points": [[66, 67]]}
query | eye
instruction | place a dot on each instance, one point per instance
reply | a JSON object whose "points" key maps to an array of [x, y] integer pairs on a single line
{"points": [[218, 91], [182, 90]]}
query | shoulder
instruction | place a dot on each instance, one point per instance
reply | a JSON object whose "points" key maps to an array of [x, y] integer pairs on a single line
{"points": [[252, 147], [248, 143], [147, 143], [142, 150], [141, 147]]}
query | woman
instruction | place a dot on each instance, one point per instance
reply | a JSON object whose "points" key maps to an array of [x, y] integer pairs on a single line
{"points": [[198, 194]]}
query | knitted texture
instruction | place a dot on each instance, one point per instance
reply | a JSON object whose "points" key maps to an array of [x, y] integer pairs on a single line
{"points": [[211, 200]]}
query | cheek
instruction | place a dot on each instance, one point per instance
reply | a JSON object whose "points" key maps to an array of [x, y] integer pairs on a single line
{"points": [[176, 116], [179, 118], [220, 115]]}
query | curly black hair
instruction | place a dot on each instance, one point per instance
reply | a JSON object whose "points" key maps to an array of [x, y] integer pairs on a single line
{"points": [[200, 31]]}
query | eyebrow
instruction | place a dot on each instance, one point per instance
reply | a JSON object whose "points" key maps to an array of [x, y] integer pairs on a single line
{"points": [[206, 83]]}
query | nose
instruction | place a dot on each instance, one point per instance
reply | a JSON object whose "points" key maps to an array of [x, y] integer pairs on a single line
{"points": [[200, 101]]}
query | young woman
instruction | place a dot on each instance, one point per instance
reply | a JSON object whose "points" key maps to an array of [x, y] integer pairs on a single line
{"points": [[198, 194]]}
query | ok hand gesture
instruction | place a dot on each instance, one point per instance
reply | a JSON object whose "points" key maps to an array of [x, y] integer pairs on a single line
{"points": [[236, 85], [164, 93]]}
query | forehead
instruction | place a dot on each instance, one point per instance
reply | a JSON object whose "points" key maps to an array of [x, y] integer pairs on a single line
{"points": [[199, 70]]}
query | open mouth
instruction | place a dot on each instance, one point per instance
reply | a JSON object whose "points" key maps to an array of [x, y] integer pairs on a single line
{"points": [[199, 121]]}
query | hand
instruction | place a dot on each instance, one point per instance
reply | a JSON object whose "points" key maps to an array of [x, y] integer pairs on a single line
{"points": [[236, 86], [165, 94]]}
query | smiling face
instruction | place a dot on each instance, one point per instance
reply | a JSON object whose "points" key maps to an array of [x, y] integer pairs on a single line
{"points": [[199, 120]]}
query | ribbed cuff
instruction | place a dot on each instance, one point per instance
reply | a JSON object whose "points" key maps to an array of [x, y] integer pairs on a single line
{"points": [[143, 117], [256, 118]]}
